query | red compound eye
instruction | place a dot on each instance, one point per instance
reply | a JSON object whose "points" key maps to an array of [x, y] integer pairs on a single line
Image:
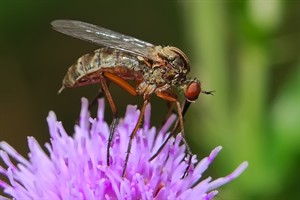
{"points": [[192, 91]]}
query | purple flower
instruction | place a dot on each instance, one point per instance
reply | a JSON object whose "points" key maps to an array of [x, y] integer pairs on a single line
{"points": [[76, 166]]}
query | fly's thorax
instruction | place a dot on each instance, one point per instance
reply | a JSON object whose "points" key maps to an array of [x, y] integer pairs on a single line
{"points": [[154, 75], [177, 64], [145, 89], [170, 67]]}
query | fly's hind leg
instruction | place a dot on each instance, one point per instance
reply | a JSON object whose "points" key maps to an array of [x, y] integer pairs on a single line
{"points": [[115, 119], [95, 99]]}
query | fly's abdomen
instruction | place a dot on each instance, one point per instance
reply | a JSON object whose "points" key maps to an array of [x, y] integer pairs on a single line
{"points": [[83, 71]]}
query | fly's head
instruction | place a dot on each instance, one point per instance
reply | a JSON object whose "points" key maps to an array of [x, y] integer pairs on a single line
{"points": [[192, 89]]}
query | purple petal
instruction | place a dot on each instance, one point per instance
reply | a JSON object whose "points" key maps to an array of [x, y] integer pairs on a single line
{"points": [[221, 181], [75, 167]]}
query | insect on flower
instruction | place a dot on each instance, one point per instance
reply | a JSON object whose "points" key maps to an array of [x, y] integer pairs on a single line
{"points": [[153, 69]]}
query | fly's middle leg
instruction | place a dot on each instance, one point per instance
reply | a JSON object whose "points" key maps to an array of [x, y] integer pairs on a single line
{"points": [[126, 86], [145, 103]]}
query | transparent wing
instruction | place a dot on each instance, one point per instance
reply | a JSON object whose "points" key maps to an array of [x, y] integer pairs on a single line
{"points": [[103, 37]]}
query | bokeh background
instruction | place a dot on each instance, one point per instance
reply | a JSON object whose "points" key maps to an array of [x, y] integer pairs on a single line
{"points": [[248, 51]]}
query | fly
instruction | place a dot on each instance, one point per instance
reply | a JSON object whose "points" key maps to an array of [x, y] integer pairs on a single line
{"points": [[154, 70]]}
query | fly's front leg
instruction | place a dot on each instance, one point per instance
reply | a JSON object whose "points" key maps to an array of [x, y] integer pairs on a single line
{"points": [[179, 122], [182, 111]]}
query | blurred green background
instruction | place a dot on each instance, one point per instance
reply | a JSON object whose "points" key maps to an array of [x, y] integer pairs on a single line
{"points": [[248, 51]]}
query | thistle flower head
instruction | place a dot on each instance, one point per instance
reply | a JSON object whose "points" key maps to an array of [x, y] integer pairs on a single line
{"points": [[75, 166]]}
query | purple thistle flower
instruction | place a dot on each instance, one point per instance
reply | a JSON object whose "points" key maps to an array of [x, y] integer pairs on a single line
{"points": [[76, 166]]}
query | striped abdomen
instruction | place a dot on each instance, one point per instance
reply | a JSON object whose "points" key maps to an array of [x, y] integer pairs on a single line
{"points": [[86, 70]]}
